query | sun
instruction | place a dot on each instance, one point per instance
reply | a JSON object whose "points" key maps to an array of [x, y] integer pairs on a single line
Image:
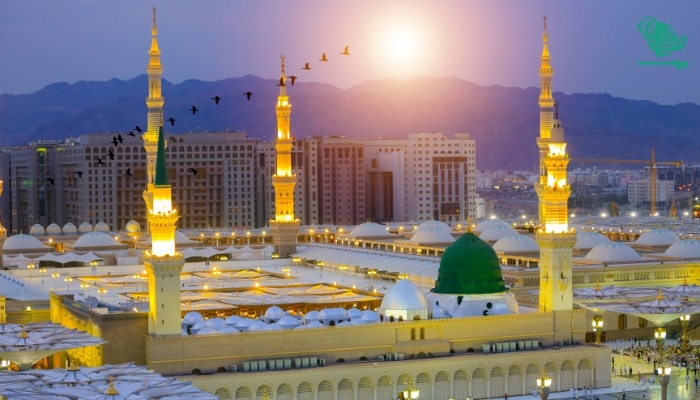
{"points": [[401, 45]]}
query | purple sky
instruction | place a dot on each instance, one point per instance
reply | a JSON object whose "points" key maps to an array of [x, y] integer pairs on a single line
{"points": [[595, 44]]}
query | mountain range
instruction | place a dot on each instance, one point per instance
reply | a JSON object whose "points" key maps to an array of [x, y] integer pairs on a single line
{"points": [[504, 121]]}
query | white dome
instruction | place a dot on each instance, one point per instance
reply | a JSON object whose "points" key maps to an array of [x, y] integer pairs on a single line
{"points": [[657, 237], [288, 322], [434, 225], [37, 230], [354, 313], [490, 223], [244, 323], [70, 229], [312, 324], [85, 228], [404, 296], [22, 242], [497, 232], [370, 316], [332, 313], [516, 242], [53, 230], [95, 239], [258, 325], [227, 329], [101, 227], [216, 323], [684, 249], [274, 313], [311, 316], [132, 227], [432, 235], [233, 320], [182, 238], [612, 252], [589, 240], [206, 330], [369, 229], [192, 317]]}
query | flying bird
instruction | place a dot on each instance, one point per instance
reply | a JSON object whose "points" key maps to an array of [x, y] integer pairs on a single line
{"points": [[323, 57], [281, 82], [50, 180], [120, 138], [194, 110], [138, 129], [115, 141], [306, 66], [131, 134], [248, 94], [99, 161], [216, 99], [292, 78], [172, 121], [111, 154], [192, 170], [128, 172], [346, 52], [79, 173]]}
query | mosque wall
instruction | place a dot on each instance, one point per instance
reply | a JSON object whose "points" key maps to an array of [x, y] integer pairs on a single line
{"points": [[457, 377], [208, 353]]}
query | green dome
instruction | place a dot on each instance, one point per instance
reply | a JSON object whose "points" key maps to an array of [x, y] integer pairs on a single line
{"points": [[469, 266]]}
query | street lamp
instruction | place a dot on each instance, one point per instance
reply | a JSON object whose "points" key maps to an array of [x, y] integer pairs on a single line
{"points": [[55, 276], [343, 268], [286, 274], [68, 280], [543, 384], [597, 327], [410, 393], [685, 321], [30, 267], [660, 336], [664, 377], [84, 286], [102, 291], [42, 271], [372, 272]]}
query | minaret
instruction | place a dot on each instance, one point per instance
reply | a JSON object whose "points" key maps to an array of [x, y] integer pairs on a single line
{"points": [[163, 263], [284, 228], [555, 238], [3, 237], [546, 107], [154, 102]]}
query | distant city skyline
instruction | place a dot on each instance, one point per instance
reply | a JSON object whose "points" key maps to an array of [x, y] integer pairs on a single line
{"points": [[596, 46]]}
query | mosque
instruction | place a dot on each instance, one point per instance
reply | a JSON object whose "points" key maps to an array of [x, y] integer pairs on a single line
{"points": [[259, 323]]}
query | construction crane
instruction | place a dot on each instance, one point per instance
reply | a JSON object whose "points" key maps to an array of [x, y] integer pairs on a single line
{"points": [[649, 163]]}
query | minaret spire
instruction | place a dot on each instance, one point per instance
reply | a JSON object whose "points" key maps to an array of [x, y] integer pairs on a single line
{"points": [[284, 227], [546, 103], [154, 103]]}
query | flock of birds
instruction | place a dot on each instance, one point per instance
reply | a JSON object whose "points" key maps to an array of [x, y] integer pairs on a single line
{"points": [[118, 139]]}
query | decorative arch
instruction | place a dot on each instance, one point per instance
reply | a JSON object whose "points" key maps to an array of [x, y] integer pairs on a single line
{"points": [[263, 390], [442, 386], [325, 390], [515, 381], [305, 391], [385, 388], [223, 394], [285, 392], [567, 375], [346, 391], [244, 393], [423, 383], [365, 388], [461, 384], [479, 383], [497, 381], [584, 375]]}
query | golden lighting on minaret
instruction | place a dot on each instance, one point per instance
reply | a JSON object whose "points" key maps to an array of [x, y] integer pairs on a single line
{"points": [[154, 102], [546, 103], [555, 195], [284, 227]]}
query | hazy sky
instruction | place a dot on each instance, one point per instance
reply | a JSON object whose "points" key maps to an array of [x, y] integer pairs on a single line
{"points": [[595, 44]]}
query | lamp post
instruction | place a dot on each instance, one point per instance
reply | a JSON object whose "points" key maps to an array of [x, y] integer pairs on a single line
{"points": [[597, 327], [685, 321], [30, 267], [664, 377], [102, 291], [543, 384], [84, 286], [660, 336], [343, 268], [410, 393], [372, 272], [42, 271], [286, 274], [68, 280], [55, 276]]}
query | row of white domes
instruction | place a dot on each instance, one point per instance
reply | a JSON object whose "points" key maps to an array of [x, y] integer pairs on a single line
{"points": [[71, 229]]}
